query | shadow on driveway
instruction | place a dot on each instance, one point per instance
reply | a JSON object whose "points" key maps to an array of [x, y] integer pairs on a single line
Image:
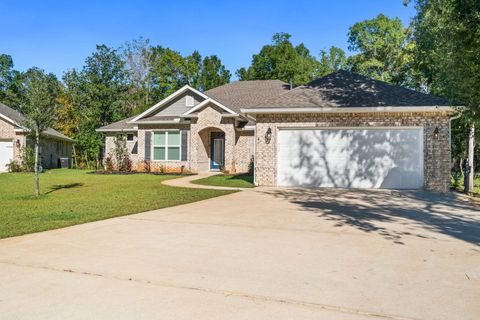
{"points": [[372, 210]]}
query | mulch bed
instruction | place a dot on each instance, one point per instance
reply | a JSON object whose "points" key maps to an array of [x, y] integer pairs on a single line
{"points": [[140, 172]]}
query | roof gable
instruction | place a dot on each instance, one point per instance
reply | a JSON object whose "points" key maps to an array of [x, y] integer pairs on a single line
{"points": [[206, 103], [171, 98]]}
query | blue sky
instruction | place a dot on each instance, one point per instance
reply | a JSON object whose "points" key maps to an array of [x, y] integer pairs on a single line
{"points": [[59, 35]]}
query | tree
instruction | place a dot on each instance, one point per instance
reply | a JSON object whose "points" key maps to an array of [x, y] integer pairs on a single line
{"points": [[333, 60], [213, 73], [282, 61], [380, 43], [94, 97], [170, 71], [167, 73], [447, 34], [137, 57], [10, 83], [39, 109]]}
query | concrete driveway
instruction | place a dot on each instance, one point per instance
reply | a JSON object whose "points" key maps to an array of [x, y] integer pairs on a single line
{"points": [[263, 254]]}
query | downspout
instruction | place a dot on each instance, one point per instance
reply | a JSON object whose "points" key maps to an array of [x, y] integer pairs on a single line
{"points": [[450, 128], [255, 155]]}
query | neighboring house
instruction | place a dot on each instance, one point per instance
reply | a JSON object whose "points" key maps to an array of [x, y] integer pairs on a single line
{"points": [[342, 130], [14, 138]]}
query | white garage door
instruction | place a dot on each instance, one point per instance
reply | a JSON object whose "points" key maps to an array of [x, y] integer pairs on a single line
{"points": [[351, 158], [6, 154]]}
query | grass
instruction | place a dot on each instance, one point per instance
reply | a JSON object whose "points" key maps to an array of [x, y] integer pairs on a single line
{"points": [[72, 197], [223, 180], [458, 185]]}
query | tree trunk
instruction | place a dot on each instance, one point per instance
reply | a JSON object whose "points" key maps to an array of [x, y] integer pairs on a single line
{"points": [[37, 178], [471, 152], [75, 163]]}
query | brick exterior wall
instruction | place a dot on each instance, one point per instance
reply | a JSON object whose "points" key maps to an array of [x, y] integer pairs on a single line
{"points": [[49, 151], [238, 144], [436, 150], [132, 147], [7, 133]]}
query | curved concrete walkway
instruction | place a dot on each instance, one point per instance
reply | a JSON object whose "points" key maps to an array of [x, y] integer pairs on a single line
{"points": [[186, 182]]}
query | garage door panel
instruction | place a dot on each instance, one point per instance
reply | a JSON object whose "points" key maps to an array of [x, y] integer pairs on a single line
{"points": [[351, 158], [6, 154]]}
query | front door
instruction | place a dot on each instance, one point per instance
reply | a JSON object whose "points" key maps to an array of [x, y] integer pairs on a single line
{"points": [[217, 150]]}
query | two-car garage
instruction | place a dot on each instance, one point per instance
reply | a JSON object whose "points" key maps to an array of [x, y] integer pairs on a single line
{"points": [[346, 130], [351, 157]]}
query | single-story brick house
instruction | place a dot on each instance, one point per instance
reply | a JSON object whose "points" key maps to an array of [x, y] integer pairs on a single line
{"points": [[14, 138], [342, 130]]}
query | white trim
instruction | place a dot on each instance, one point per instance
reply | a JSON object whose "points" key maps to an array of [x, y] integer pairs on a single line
{"points": [[44, 134], [285, 128], [10, 120], [166, 146], [116, 130], [207, 101], [175, 121], [347, 109], [189, 101], [167, 99], [255, 156], [247, 128]]}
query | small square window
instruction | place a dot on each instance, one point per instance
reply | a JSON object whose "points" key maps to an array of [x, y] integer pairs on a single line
{"points": [[189, 102], [130, 137]]}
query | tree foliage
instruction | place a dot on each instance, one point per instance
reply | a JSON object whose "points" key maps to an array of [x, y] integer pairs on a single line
{"points": [[283, 61], [381, 44], [39, 108], [447, 54], [332, 60]]}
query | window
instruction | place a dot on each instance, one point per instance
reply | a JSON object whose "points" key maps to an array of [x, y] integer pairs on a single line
{"points": [[166, 145], [130, 137], [189, 102]]}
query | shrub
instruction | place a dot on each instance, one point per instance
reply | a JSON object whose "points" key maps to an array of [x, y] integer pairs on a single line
{"points": [[109, 164], [120, 151], [14, 166], [147, 167], [28, 159], [126, 164]]}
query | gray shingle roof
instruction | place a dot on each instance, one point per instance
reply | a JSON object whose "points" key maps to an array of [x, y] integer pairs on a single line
{"points": [[349, 90], [119, 125], [19, 118], [242, 94]]}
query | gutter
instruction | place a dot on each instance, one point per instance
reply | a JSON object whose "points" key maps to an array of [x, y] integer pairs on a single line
{"points": [[348, 109], [45, 135], [116, 130]]}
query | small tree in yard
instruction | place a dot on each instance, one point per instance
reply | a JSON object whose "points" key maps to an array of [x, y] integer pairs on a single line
{"points": [[121, 154], [39, 108]]}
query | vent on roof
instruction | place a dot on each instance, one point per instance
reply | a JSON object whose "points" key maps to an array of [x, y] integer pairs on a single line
{"points": [[189, 101]]}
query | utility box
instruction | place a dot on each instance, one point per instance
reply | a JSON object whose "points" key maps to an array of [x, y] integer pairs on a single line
{"points": [[64, 163]]}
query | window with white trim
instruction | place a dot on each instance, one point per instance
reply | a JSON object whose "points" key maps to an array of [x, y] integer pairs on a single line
{"points": [[166, 145], [189, 102]]}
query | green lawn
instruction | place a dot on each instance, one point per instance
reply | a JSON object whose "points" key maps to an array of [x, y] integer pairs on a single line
{"points": [[72, 196], [235, 181]]}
